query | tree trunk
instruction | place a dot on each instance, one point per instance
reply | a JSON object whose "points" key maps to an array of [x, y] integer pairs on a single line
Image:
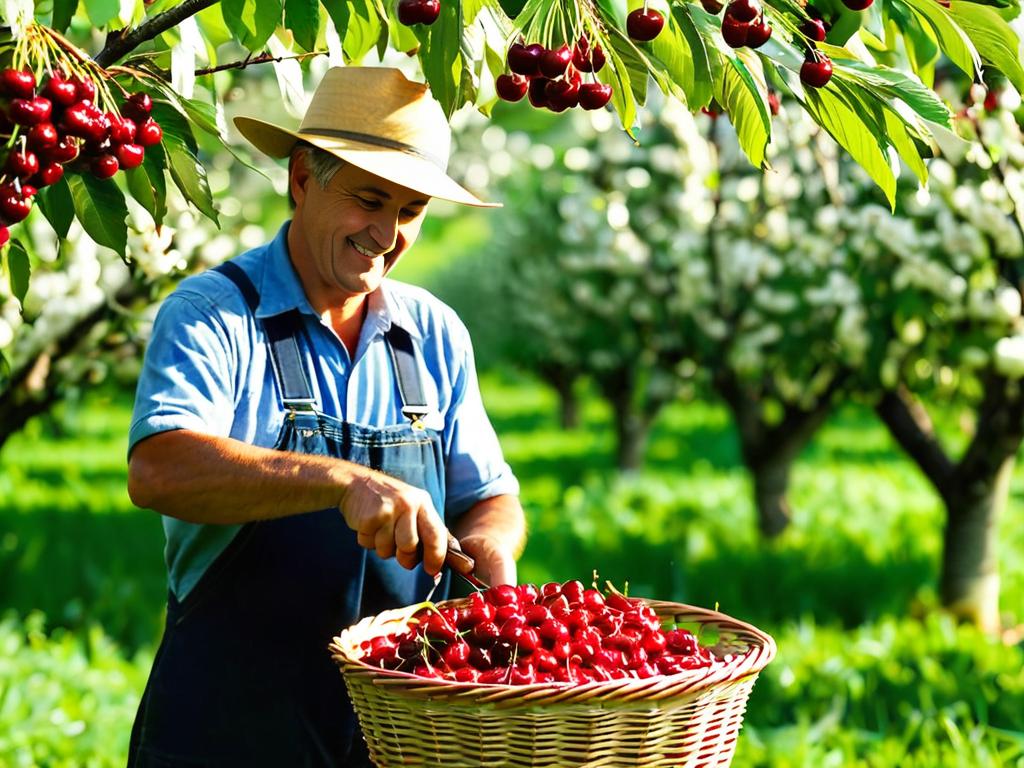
{"points": [[771, 486], [969, 584], [631, 432], [563, 381]]}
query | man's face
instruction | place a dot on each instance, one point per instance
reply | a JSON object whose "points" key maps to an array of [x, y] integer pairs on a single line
{"points": [[351, 233]]}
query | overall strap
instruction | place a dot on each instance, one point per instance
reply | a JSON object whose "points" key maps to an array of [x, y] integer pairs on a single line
{"points": [[282, 335], [403, 356]]}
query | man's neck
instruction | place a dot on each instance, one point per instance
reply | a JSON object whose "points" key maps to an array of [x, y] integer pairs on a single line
{"points": [[347, 320]]}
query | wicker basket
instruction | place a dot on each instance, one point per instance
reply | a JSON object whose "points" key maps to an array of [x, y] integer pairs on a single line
{"points": [[690, 719]]}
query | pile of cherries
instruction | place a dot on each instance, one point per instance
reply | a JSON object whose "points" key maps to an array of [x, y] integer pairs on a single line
{"points": [[552, 76], [557, 633], [58, 125]]}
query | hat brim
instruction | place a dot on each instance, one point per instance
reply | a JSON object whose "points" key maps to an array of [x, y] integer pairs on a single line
{"points": [[412, 171]]}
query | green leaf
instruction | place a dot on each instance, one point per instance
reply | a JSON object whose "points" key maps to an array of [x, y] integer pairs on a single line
{"points": [[190, 177], [899, 85], [302, 17], [63, 12], [897, 132], [100, 12], [19, 268], [847, 127], [57, 206], [174, 124], [251, 21], [740, 88], [439, 56], [995, 40], [953, 41], [153, 165], [100, 206], [203, 115], [338, 11], [700, 94], [363, 31]]}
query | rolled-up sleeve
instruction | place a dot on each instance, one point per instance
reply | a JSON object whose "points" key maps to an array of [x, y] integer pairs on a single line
{"points": [[187, 381], [475, 468]]}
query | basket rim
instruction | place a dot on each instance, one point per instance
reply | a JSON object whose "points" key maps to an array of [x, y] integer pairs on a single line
{"points": [[733, 667]]}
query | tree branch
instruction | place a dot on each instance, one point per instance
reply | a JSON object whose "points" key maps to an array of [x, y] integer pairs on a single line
{"points": [[998, 433], [909, 423], [124, 41]]}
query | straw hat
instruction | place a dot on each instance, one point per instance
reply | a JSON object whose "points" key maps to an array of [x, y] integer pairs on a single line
{"points": [[376, 119]]}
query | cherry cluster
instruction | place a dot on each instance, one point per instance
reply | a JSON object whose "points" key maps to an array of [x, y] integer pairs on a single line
{"points": [[557, 633], [552, 76], [744, 24], [58, 125], [412, 12]]}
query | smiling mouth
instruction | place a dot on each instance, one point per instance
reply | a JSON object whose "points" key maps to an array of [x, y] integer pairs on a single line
{"points": [[368, 254]]}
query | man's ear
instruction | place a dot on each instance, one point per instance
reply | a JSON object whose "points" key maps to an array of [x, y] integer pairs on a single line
{"points": [[298, 177]]}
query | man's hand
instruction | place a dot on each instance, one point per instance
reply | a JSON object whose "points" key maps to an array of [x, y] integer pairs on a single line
{"points": [[495, 563], [394, 519]]}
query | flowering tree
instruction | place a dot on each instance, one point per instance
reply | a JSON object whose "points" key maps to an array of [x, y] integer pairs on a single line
{"points": [[103, 100], [783, 292]]}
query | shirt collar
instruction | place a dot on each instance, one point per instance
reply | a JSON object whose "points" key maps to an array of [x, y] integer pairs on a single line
{"points": [[281, 290]]}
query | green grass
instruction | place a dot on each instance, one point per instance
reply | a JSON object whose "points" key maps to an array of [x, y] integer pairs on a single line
{"points": [[858, 681]]}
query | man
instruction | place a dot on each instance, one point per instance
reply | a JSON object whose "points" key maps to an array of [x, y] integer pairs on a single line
{"points": [[309, 430]]}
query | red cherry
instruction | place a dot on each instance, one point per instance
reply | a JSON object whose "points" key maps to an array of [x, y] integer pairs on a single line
{"points": [[60, 91], [122, 129], [511, 87], [412, 12], [502, 594], [734, 31], [492, 676], [85, 88], [743, 10], [485, 634], [5, 235], [619, 602], [49, 174], [857, 5], [554, 61], [479, 657], [644, 25], [505, 612], [149, 133], [681, 641], [562, 95], [525, 59], [814, 30], [573, 591], [457, 654], [22, 164], [597, 59], [550, 589], [552, 631], [538, 92], [581, 55], [43, 136], [31, 111], [991, 102], [816, 70], [17, 84], [593, 600], [129, 155], [523, 675], [14, 206], [104, 166], [535, 615], [545, 660], [758, 34], [65, 151], [774, 102], [138, 107], [528, 594], [78, 120]]}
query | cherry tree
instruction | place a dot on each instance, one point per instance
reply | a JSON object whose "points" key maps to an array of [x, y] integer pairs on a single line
{"points": [[783, 292]]}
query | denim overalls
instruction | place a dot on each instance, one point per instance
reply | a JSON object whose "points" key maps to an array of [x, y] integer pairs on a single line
{"points": [[243, 675]]}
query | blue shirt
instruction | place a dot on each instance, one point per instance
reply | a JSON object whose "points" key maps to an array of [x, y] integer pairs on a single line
{"points": [[207, 369]]}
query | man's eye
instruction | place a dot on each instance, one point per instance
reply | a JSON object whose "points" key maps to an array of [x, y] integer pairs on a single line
{"points": [[371, 204], [407, 214]]}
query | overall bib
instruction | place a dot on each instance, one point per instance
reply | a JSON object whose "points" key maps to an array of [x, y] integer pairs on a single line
{"points": [[243, 675]]}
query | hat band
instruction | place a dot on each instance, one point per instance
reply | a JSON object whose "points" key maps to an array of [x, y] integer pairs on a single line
{"points": [[378, 141]]}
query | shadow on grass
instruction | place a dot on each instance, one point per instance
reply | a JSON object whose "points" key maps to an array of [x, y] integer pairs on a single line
{"points": [[81, 568]]}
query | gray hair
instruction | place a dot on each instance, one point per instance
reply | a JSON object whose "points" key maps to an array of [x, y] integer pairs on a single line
{"points": [[321, 164]]}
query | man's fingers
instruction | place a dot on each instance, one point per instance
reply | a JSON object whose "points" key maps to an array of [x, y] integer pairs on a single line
{"points": [[434, 537], [407, 541], [384, 541]]}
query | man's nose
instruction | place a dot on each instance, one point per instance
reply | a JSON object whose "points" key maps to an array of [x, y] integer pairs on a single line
{"points": [[384, 231]]}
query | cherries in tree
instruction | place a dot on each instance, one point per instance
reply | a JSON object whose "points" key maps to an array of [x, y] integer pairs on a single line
{"points": [[644, 24], [412, 12], [816, 70], [553, 77]]}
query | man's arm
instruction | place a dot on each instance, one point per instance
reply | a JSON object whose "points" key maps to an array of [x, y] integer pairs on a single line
{"points": [[216, 480], [493, 532]]}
